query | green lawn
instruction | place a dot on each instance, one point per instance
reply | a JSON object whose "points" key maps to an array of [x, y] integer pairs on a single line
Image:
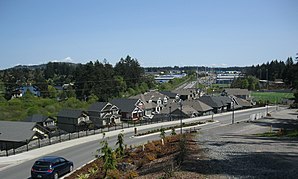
{"points": [[272, 97]]}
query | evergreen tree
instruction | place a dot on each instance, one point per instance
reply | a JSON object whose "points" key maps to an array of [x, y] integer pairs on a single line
{"points": [[120, 143]]}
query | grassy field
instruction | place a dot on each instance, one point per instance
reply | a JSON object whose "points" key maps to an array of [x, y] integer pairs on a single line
{"points": [[272, 97]]}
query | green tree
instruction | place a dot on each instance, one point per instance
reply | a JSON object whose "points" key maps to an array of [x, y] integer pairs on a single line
{"points": [[244, 83], [173, 131], [53, 93], [108, 156], [120, 143], [162, 133], [130, 70]]}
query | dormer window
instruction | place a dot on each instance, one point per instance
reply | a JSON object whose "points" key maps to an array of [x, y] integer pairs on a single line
{"points": [[159, 101]]}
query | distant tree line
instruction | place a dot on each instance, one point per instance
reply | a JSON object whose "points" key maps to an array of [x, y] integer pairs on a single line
{"points": [[83, 81], [287, 71]]}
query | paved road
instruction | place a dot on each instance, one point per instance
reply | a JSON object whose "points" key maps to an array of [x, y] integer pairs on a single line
{"points": [[84, 152]]}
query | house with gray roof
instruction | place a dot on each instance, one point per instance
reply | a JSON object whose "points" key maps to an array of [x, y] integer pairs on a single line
{"points": [[73, 120], [240, 103], [130, 109], [103, 114], [172, 95], [45, 121], [216, 102], [187, 93], [160, 100], [184, 111], [16, 134], [239, 93], [227, 102], [176, 110], [199, 106]]}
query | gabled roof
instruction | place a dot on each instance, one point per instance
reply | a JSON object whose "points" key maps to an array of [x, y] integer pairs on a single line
{"points": [[211, 101], [33, 89], [149, 105], [169, 108], [37, 118], [243, 102], [71, 113], [151, 95], [188, 110], [224, 99], [124, 104], [16, 131], [237, 91], [169, 94], [198, 105], [98, 106], [139, 96]]}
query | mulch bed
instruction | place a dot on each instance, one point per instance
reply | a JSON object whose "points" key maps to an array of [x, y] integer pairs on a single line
{"points": [[153, 160]]}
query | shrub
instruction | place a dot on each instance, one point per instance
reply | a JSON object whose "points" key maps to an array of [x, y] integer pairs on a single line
{"points": [[114, 174], [150, 156], [131, 174], [150, 147], [83, 176]]}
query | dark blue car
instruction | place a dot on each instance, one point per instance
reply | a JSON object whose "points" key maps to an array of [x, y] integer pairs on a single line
{"points": [[51, 167]]}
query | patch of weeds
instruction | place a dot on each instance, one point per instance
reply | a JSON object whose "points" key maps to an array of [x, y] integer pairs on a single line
{"points": [[292, 133], [267, 134]]}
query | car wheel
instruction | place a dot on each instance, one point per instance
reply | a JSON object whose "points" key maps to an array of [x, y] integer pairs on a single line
{"points": [[56, 176], [70, 168]]}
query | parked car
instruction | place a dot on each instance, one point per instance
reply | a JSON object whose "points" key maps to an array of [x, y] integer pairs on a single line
{"points": [[51, 167]]}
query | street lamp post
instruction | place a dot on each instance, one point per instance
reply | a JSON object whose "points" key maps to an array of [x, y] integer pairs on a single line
{"points": [[180, 116], [170, 107], [267, 108], [233, 113]]}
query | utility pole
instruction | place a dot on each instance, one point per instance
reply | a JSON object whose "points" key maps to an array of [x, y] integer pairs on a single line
{"points": [[267, 79]]}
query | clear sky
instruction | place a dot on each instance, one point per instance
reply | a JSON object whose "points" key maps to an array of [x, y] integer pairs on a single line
{"points": [[156, 32]]}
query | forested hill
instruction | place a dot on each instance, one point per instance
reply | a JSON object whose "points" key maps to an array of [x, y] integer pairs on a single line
{"points": [[83, 80]]}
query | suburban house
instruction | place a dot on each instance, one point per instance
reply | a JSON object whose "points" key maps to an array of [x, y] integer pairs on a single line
{"points": [[226, 101], [176, 111], [149, 109], [71, 120], [44, 121], [215, 102], [239, 93], [20, 92], [184, 111], [172, 96], [199, 106], [160, 100], [16, 134], [188, 93], [130, 109], [240, 103], [103, 114]]}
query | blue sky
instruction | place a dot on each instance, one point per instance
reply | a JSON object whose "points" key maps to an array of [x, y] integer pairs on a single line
{"points": [[156, 32]]}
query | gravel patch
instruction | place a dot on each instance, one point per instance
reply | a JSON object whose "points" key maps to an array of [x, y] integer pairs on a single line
{"points": [[234, 151]]}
